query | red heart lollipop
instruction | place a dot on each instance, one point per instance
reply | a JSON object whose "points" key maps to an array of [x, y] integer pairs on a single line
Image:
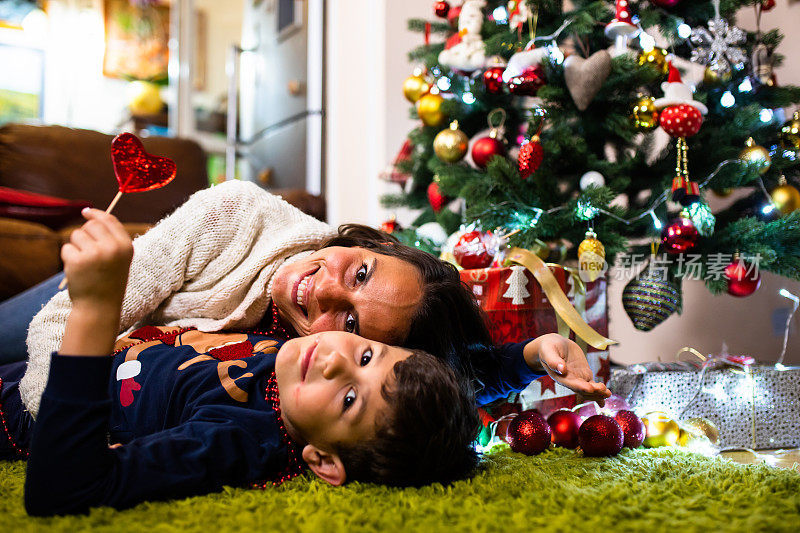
{"points": [[136, 170]]}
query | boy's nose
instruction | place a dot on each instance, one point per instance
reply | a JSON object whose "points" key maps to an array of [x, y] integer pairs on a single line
{"points": [[335, 364]]}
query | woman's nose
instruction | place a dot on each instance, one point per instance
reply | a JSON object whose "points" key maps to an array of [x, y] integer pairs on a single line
{"points": [[335, 364], [330, 294]]}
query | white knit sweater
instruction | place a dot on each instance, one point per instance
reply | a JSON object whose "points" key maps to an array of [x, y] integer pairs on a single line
{"points": [[206, 265]]}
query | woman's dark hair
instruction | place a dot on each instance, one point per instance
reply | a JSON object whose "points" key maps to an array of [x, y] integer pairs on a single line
{"points": [[448, 323]]}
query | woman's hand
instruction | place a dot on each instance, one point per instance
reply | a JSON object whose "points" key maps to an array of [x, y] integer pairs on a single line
{"points": [[565, 362]]}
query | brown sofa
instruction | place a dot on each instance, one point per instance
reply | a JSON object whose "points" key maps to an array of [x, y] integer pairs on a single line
{"points": [[75, 164]]}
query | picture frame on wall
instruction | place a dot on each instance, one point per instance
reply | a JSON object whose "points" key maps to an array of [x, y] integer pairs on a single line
{"points": [[289, 16], [136, 40], [21, 95]]}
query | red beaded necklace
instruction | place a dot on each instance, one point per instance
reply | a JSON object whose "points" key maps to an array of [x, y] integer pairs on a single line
{"points": [[17, 448], [294, 465], [275, 327]]}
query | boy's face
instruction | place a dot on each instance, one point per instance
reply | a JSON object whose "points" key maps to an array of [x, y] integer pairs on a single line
{"points": [[330, 387]]}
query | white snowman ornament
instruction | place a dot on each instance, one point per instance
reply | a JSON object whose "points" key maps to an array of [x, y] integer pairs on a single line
{"points": [[466, 51]]}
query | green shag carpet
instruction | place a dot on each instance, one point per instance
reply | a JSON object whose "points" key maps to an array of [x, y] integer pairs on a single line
{"points": [[559, 490]]}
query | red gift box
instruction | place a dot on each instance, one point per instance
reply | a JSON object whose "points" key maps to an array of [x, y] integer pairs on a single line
{"points": [[518, 309]]}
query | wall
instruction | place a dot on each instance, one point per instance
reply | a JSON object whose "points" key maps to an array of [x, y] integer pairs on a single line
{"points": [[366, 131]]}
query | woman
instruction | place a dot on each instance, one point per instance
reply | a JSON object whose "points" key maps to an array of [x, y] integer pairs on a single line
{"points": [[237, 257]]}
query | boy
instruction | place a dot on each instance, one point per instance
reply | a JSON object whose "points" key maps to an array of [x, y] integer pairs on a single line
{"points": [[187, 412]]}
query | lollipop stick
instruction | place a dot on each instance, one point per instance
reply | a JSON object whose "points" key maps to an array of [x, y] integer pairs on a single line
{"points": [[108, 210]]}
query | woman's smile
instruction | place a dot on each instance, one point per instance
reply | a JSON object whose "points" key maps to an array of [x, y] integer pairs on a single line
{"points": [[301, 292]]}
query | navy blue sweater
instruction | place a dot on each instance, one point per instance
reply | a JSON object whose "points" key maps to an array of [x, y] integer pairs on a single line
{"points": [[191, 419]]}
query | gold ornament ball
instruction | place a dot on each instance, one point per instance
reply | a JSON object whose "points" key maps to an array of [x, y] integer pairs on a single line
{"points": [[657, 58], [789, 135], [786, 198], [712, 77], [645, 115], [591, 256], [429, 109], [701, 428], [450, 145], [661, 430], [756, 155], [414, 87]]}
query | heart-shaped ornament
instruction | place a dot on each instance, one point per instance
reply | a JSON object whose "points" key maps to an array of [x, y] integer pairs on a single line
{"points": [[136, 170], [584, 77]]}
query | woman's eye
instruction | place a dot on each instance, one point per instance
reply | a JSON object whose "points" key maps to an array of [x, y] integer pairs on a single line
{"points": [[366, 357], [350, 324], [361, 275], [349, 399]]}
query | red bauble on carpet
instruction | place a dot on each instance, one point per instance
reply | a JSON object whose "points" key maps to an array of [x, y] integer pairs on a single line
{"points": [[743, 279], [484, 149], [564, 427], [528, 433], [681, 120], [633, 429], [600, 436]]}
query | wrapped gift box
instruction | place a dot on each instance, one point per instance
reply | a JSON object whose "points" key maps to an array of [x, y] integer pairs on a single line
{"points": [[759, 409], [518, 309]]}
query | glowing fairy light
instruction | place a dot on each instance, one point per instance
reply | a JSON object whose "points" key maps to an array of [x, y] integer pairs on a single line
{"points": [[468, 98], [656, 222], [500, 15], [684, 31], [443, 83], [727, 99], [745, 86], [767, 209], [766, 115], [646, 41]]}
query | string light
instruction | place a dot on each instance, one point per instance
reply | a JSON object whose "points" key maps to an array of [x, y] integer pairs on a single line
{"points": [[468, 98], [795, 304], [585, 210], [500, 15], [745, 86], [684, 31], [656, 222], [646, 41], [727, 99], [443, 83], [766, 115]]}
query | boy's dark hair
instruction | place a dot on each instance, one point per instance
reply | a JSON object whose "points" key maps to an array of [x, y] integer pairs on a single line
{"points": [[448, 321], [426, 435]]}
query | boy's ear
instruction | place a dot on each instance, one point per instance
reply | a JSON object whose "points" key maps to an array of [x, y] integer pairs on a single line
{"points": [[324, 464]]}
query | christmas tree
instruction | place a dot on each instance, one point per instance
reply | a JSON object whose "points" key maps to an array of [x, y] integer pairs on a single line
{"points": [[621, 118]]}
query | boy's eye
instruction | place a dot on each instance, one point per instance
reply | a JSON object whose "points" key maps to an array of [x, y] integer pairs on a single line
{"points": [[349, 399], [350, 323], [361, 274], [366, 357]]}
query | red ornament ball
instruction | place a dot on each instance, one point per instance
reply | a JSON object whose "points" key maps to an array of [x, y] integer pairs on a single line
{"points": [[665, 3], [681, 120], [472, 250], [441, 9], [529, 82], [564, 427], [435, 197], [767, 5], [743, 280], [452, 16], [390, 226], [484, 149], [528, 433], [493, 80], [679, 236], [530, 157], [600, 436], [633, 428]]}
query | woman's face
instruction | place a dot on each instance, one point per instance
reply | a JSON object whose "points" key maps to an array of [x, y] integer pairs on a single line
{"points": [[349, 289]]}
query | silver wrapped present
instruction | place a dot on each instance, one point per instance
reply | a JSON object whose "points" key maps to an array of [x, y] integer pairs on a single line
{"points": [[756, 406]]}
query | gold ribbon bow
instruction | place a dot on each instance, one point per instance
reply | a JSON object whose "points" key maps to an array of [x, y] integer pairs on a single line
{"points": [[557, 298]]}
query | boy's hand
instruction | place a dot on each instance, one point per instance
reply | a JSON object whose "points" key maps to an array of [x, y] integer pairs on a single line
{"points": [[565, 362], [97, 259]]}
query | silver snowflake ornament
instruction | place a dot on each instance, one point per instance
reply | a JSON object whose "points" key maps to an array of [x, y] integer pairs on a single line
{"points": [[716, 46]]}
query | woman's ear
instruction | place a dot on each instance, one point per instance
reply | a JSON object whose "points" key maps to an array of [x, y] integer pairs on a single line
{"points": [[327, 466]]}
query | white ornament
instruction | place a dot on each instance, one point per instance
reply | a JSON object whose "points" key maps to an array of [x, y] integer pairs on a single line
{"points": [[517, 282], [434, 232], [592, 178], [469, 53], [716, 46], [522, 61]]}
